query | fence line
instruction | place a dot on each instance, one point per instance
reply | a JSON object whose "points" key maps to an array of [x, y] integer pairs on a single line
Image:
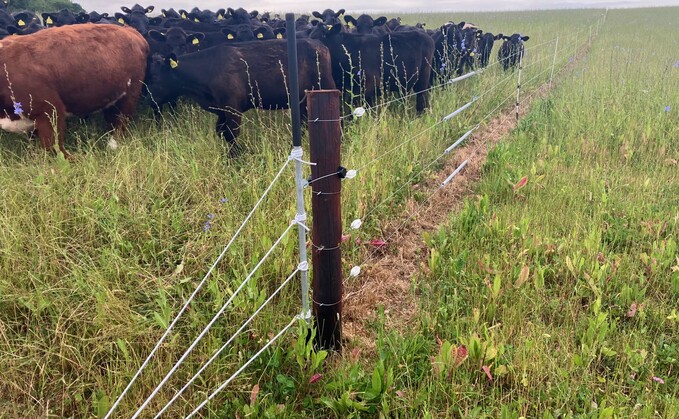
{"points": [[302, 267], [212, 322], [235, 374], [195, 292]]}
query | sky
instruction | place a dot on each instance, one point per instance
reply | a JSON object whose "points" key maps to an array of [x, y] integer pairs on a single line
{"points": [[307, 6]]}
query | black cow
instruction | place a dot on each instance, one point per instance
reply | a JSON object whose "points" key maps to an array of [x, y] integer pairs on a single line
{"points": [[93, 17], [63, 17], [228, 80], [447, 41], [485, 46], [511, 50], [174, 41], [364, 64], [365, 24], [135, 17], [169, 13], [25, 18], [467, 50]]}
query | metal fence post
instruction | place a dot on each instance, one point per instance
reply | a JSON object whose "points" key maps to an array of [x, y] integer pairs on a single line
{"points": [[293, 77], [324, 144]]}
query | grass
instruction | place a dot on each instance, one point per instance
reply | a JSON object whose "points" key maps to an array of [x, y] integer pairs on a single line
{"points": [[97, 256]]}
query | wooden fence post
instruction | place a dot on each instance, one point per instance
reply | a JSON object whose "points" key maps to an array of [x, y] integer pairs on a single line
{"points": [[324, 146]]}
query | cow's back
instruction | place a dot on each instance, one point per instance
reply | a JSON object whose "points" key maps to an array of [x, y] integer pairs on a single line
{"points": [[88, 67]]}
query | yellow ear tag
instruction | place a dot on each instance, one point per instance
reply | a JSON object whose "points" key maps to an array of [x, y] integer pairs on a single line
{"points": [[279, 36], [260, 36], [195, 19], [329, 27], [120, 20], [220, 17], [21, 23], [183, 15], [351, 24], [472, 54], [195, 41], [49, 20], [163, 14], [173, 63], [229, 36]]}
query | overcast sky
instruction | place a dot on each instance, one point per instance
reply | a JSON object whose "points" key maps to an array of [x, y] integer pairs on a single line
{"points": [[374, 5]]}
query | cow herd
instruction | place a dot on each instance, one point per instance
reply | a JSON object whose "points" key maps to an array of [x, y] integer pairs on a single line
{"points": [[228, 61]]}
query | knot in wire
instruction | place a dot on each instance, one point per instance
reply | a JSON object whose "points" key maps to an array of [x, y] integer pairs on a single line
{"points": [[303, 267], [296, 154], [299, 220]]}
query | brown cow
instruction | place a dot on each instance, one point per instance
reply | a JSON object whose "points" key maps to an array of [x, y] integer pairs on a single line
{"points": [[70, 70]]}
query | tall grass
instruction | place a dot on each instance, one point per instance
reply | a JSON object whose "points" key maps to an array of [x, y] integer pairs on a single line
{"points": [[98, 256]]}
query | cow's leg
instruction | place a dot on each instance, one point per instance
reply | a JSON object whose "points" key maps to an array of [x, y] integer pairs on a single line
{"points": [[51, 126], [228, 127]]}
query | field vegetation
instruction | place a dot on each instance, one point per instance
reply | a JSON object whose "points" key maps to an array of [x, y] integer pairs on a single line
{"points": [[551, 292]]}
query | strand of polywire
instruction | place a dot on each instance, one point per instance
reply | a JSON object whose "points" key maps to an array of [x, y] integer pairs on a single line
{"points": [[200, 371], [532, 47], [233, 377], [195, 292], [212, 322]]}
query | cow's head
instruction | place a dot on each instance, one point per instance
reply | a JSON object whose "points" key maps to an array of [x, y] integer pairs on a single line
{"points": [[498, 37], [137, 9], [329, 17], [322, 30], [25, 18], [365, 23], [60, 18], [138, 21], [162, 77], [241, 16], [169, 13], [177, 41]]}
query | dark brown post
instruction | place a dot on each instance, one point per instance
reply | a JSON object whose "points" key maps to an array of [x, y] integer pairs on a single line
{"points": [[324, 144]]}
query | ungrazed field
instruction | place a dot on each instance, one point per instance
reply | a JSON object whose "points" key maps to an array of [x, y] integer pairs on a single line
{"points": [[550, 290]]}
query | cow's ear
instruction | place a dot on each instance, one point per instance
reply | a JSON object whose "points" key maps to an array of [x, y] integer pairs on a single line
{"points": [[525, 38], [104, 15], [194, 17], [121, 18], [126, 9], [253, 14], [230, 11], [461, 25], [506, 38], [13, 30], [22, 19], [156, 21], [195, 39], [498, 37], [157, 35], [336, 28], [83, 18], [229, 34], [183, 14], [479, 33], [150, 9], [47, 19], [350, 20], [380, 21], [317, 15], [340, 12], [172, 61], [279, 32], [260, 32], [220, 14]]}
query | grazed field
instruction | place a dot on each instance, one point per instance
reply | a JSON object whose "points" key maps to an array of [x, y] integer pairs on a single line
{"points": [[566, 289]]}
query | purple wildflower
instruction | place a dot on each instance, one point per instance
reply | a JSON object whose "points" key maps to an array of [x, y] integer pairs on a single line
{"points": [[570, 60], [18, 109], [658, 380], [667, 108], [223, 200], [359, 73], [676, 64], [206, 226], [210, 216]]}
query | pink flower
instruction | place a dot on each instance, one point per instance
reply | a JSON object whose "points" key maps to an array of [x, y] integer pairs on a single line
{"points": [[632, 310], [345, 237], [658, 380], [377, 243], [314, 378], [461, 355]]}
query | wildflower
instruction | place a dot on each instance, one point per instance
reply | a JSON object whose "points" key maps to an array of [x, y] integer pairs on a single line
{"points": [[676, 64], [210, 216], [359, 72], [570, 60], [206, 226], [667, 108], [461, 355], [314, 378], [486, 369], [658, 380], [223, 200], [18, 109], [632, 310], [377, 243]]}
